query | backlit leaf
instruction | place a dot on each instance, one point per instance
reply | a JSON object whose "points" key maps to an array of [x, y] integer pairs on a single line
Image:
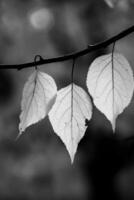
{"points": [[68, 115], [111, 84], [39, 95]]}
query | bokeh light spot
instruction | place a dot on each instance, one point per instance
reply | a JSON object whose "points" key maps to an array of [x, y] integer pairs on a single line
{"points": [[41, 19]]}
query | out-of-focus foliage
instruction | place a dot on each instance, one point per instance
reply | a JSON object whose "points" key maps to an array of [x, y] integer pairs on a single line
{"points": [[37, 165], [111, 3], [121, 4]]}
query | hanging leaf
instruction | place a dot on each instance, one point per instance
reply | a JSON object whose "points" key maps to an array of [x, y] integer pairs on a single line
{"points": [[111, 84], [68, 115], [39, 95]]}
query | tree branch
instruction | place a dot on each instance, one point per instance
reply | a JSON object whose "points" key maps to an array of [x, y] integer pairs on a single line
{"points": [[77, 54]]}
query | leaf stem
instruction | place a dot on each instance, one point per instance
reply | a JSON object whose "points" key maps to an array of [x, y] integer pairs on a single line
{"points": [[72, 72], [72, 84], [113, 87], [35, 60]]}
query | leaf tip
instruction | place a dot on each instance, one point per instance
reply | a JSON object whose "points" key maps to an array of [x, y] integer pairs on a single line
{"points": [[113, 124], [18, 136], [72, 152], [21, 130], [72, 159]]}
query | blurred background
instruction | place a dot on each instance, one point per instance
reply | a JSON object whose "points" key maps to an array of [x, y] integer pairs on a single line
{"points": [[37, 166]]}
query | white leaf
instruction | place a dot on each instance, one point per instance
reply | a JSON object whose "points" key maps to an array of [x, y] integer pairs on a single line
{"points": [[111, 84], [68, 115], [39, 95]]}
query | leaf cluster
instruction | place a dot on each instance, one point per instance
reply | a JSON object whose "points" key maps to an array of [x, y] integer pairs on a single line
{"points": [[109, 81]]}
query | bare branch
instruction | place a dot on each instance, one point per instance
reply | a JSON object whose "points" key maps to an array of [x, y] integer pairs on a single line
{"points": [[77, 54]]}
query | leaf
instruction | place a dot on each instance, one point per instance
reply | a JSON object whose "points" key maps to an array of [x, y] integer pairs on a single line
{"points": [[39, 95], [68, 115], [111, 84]]}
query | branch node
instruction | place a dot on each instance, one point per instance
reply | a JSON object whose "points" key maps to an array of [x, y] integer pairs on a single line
{"points": [[19, 68]]}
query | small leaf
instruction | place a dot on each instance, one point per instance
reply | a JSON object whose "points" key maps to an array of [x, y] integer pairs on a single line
{"points": [[111, 84], [39, 95], [68, 116]]}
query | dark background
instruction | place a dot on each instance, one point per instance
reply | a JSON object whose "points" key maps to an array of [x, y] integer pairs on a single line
{"points": [[37, 166]]}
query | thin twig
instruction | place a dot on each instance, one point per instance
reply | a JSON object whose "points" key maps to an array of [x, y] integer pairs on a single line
{"points": [[77, 54]]}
